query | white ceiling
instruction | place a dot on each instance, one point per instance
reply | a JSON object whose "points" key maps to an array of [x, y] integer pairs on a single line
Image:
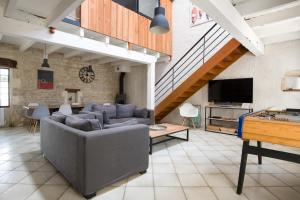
{"points": [[42, 8], [272, 20]]}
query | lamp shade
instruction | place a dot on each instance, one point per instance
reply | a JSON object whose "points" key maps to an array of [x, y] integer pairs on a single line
{"points": [[45, 63], [159, 23]]}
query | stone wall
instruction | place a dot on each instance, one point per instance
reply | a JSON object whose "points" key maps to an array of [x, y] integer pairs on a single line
{"points": [[23, 81]]}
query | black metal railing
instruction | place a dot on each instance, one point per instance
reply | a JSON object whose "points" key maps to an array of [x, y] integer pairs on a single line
{"points": [[190, 61]]}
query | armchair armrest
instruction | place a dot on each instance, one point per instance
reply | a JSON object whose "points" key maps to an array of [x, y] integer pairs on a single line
{"points": [[151, 116]]}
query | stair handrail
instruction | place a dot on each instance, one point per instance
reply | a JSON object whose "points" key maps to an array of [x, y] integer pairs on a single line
{"points": [[188, 51], [197, 55]]}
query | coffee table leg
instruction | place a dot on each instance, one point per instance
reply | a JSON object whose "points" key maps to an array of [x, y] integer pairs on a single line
{"points": [[150, 146], [187, 134]]}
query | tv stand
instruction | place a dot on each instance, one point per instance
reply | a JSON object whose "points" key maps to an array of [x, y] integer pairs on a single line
{"points": [[222, 123]]}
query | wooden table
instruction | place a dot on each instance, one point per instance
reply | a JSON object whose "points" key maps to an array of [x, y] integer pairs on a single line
{"points": [[170, 129], [264, 127]]}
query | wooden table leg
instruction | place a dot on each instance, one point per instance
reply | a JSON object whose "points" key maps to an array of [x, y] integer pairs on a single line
{"points": [[242, 167]]}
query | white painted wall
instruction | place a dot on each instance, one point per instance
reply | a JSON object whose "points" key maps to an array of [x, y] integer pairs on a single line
{"points": [[267, 72], [184, 36]]}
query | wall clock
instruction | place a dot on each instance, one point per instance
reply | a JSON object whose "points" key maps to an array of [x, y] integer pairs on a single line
{"points": [[87, 74]]}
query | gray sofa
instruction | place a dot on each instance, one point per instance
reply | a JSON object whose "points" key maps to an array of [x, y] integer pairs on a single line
{"points": [[118, 113], [92, 160]]}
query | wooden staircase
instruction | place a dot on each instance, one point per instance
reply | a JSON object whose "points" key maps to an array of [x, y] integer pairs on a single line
{"points": [[221, 60]]}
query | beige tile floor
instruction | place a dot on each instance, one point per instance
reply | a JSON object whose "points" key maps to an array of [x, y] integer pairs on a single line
{"points": [[205, 168]]}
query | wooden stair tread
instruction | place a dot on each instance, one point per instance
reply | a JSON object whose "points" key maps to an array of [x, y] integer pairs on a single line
{"points": [[227, 55]]}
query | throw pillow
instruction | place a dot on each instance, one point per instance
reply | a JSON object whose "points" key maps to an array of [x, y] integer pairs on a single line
{"points": [[125, 110], [110, 110], [127, 123], [99, 117], [140, 113], [96, 125], [79, 123], [58, 117], [85, 116]]}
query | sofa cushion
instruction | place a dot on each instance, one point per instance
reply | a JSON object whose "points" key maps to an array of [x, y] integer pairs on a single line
{"points": [[85, 116], [125, 110], [146, 121], [79, 123], [119, 120], [58, 117], [110, 110], [140, 113], [126, 123], [88, 107]]}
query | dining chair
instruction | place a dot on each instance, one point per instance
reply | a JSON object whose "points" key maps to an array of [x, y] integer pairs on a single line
{"points": [[38, 113], [189, 112], [65, 109]]}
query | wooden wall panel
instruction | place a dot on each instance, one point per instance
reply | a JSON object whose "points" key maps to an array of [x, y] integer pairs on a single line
{"points": [[100, 16], [107, 17], [114, 20], [125, 28], [84, 14]]}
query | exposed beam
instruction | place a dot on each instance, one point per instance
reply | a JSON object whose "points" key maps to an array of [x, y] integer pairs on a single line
{"points": [[17, 28], [72, 54], [26, 45], [64, 8], [248, 7], [282, 38], [11, 8], [107, 60], [92, 57], [272, 17], [228, 18], [125, 63], [52, 49], [278, 28], [165, 59]]}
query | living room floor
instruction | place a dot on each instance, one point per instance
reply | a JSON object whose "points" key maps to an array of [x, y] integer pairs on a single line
{"points": [[205, 168]]}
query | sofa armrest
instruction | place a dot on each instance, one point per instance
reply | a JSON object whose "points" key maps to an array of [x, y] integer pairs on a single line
{"points": [[115, 153], [151, 115]]}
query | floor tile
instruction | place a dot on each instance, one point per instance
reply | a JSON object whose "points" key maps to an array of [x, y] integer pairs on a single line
{"points": [[145, 180], [163, 168], [48, 192], [10, 165], [228, 169], [161, 159], [284, 193], [267, 180], [258, 193], [227, 193], [172, 193], [191, 180], [4, 187], [18, 192], [208, 169], [185, 169], [29, 166], [289, 179], [166, 180], [217, 180], [71, 194], [135, 193], [37, 178], [110, 193], [290, 167], [13, 177], [199, 193], [248, 181], [57, 179]]}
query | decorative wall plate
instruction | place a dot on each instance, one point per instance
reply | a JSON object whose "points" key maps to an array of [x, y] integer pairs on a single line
{"points": [[87, 74]]}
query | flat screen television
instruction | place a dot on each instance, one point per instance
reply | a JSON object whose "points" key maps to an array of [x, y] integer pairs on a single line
{"points": [[231, 90]]}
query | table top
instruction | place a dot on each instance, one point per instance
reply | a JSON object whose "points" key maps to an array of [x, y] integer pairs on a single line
{"points": [[171, 128]]}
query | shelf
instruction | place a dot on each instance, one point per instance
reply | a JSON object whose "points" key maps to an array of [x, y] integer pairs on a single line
{"points": [[228, 107], [221, 119]]}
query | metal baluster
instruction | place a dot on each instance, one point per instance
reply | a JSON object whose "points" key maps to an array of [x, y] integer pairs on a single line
{"points": [[203, 49], [173, 79]]}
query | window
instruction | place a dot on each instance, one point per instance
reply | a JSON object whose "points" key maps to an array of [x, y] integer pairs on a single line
{"points": [[4, 87], [143, 7]]}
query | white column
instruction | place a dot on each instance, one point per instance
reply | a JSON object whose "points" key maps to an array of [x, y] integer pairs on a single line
{"points": [[151, 86]]}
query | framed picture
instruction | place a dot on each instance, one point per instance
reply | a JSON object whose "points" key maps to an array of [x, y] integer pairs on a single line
{"points": [[198, 16], [45, 79]]}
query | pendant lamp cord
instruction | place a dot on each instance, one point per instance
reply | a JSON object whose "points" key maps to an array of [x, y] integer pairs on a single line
{"points": [[158, 3]]}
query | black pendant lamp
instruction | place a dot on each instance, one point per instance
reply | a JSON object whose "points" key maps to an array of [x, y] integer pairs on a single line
{"points": [[45, 63], [159, 23]]}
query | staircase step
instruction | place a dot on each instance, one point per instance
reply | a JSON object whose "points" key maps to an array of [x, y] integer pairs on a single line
{"points": [[200, 78]]}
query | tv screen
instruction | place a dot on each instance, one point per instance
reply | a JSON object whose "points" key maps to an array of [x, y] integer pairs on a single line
{"points": [[231, 90]]}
